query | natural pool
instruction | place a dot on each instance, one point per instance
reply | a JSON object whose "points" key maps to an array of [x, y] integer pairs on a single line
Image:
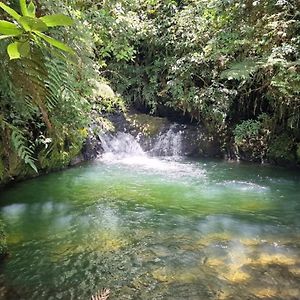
{"points": [[150, 228]]}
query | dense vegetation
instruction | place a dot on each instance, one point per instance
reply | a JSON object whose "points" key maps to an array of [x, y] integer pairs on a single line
{"points": [[43, 100], [233, 66], [229, 66]]}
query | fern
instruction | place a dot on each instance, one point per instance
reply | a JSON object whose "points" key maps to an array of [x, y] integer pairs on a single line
{"points": [[241, 70], [55, 82], [19, 143], [59, 83]]}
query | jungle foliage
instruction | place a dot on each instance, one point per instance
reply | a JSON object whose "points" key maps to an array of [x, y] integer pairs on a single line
{"points": [[44, 92], [233, 66]]}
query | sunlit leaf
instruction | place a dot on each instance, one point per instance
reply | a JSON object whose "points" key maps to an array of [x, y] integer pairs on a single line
{"points": [[18, 49], [13, 51], [2, 37], [24, 9], [31, 9], [57, 20], [10, 11], [8, 28]]}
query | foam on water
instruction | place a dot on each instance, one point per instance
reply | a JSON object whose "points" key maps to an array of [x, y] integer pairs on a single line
{"points": [[244, 186]]}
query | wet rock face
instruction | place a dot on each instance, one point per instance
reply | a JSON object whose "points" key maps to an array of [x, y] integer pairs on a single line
{"points": [[197, 142], [157, 136]]}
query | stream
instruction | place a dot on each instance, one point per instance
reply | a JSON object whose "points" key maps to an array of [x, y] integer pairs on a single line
{"points": [[153, 227]]}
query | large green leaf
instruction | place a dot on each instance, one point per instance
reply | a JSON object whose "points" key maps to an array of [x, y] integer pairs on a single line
{"points": [[57, 20], [13, 51], [23, 6], [8, 28], [10, 11], [55, 43], [33, 24]]}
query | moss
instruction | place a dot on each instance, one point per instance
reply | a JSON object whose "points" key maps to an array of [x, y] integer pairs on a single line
{"points": [[146, 124], [65, 146], [3, 245]]}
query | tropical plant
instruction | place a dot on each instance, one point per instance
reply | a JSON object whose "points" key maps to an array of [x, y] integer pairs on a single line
{"points": [[27, 28], [43, 96]]}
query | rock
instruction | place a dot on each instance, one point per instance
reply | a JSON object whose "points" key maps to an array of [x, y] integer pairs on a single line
{"points": [[91, 148], [77, 160]]}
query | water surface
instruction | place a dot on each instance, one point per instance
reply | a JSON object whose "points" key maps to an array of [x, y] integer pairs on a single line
{"points": [[150, 228]]}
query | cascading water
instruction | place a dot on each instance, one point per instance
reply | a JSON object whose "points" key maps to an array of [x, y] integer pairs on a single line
{"points": [[164, 156], [124, 144], [121, 144], [121, 148], [169, 143]]}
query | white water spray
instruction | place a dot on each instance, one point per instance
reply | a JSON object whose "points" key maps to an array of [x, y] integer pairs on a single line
{"points": [[165, 155], [122, 144], [169, 143]]}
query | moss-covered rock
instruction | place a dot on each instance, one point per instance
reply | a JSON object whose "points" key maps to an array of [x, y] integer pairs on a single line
{"points": [[146, 124]]}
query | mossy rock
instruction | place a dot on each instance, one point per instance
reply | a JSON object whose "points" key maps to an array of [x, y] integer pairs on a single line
{"points": [[148, 125]]}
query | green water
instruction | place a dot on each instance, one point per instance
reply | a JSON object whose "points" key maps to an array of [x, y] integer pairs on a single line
{"points": [[154, 229]]}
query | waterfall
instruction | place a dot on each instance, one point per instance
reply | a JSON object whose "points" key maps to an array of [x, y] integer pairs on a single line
{"points": [[169, 143], [121, 144], [164, 156]]}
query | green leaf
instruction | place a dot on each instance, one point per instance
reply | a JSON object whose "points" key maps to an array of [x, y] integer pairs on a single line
{"points": [[31, 9], [55, 43], [57, 20], [10, 11], [23, 8], [13, 51], [24, 49], [32, 165], [33, 24], [8, 28], [17, 50], [2, 37]]}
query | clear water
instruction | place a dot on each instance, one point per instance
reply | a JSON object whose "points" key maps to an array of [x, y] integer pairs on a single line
{"points": [[149, 228]]}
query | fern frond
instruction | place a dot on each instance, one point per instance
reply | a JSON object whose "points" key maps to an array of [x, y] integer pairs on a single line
{"points": [[19, 143], [241, 70]]}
